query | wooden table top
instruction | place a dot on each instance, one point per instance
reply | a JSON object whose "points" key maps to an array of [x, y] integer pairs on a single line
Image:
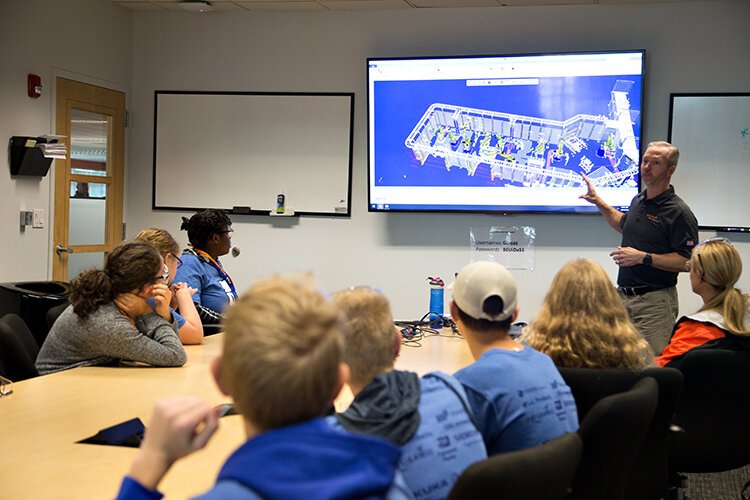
{"points": [[43, 419]]}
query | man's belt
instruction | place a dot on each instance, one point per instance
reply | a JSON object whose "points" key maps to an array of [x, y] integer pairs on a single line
{"points": [[633, 291]]}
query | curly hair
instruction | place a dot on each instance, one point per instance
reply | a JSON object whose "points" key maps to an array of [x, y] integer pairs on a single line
{"points": [[204, 224], [128, 267], [720, 265], [583, 322]]}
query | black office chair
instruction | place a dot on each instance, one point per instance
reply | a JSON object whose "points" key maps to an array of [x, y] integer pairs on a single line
{"points": [[18, 349], [212, 329], [54, 313], [713, 412], [540, 473], [612, 433], [649, 477]]}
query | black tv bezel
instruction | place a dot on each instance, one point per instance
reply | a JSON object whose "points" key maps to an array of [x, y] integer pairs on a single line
{"points": [[567, 210]]}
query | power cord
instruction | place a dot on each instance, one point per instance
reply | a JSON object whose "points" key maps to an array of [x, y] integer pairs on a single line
{"points": [[412, 332]]}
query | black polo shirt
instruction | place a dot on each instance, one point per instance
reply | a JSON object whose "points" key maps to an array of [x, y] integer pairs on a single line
{"points": [[662, 225]]}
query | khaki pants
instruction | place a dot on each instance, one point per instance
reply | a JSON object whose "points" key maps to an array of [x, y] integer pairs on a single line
{"points": [[654, 315]]}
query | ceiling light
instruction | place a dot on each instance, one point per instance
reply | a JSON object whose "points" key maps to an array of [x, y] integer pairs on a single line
{"points": [[196, 6]]}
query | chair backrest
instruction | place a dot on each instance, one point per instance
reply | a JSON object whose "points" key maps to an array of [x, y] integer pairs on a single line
{"points": [[543, 472], [54, 313], [713, 411], [612, 433], [649, 476], [18, 349]]}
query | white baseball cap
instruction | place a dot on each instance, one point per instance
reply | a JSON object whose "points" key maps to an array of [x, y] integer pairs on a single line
{"points": [[479, 281]]}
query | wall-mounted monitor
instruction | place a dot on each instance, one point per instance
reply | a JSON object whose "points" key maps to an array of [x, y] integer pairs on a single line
{"points": [[510, 133]]}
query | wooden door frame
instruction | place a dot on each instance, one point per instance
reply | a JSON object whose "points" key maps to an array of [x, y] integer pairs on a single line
{"points": [[112, 103]]}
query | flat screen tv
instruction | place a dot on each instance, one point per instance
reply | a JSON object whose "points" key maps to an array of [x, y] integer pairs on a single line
{"points": [[504, 133]]}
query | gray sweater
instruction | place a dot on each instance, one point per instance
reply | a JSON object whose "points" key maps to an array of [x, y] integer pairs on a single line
{"points": [[107, 336]]}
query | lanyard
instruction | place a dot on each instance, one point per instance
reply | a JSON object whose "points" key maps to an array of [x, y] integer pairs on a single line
{"points": [[218, 267]]}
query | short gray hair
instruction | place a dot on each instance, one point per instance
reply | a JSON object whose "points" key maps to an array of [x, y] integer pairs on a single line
{"points": [[674, 154]]}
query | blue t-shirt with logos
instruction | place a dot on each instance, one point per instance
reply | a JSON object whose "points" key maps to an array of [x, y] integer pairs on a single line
{"points": [[519, 399]]}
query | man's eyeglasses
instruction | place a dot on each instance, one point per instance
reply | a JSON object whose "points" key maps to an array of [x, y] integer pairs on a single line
{"points": [[177, 259]]}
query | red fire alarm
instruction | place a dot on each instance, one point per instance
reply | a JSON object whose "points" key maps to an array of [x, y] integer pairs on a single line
{"points": [[35, 85]]}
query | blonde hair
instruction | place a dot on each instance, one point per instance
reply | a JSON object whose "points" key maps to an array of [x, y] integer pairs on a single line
{"points": [[720, 265], [583, 322], [161, 239], [369, 335], [282, 350]]}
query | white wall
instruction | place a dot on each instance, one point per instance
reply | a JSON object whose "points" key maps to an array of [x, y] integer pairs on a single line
{"points": [[691, 47], [700, 46], [86, 39]]}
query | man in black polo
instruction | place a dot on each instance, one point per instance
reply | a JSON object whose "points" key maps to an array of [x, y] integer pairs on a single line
{"points": [[658, 234]]}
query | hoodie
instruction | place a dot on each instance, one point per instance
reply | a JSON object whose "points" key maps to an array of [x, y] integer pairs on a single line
{"points": [[430, 417], [305, 461], [311, 461], [386, 407]]}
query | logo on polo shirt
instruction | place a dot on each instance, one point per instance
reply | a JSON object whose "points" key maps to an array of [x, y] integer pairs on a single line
{"points": [[652, 217]]}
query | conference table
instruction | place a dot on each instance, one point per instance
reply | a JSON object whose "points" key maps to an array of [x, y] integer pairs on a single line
{"points": [[43, 419]]}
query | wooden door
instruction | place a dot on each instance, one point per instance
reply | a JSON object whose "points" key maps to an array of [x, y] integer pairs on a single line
{"points": [[89, 183]]}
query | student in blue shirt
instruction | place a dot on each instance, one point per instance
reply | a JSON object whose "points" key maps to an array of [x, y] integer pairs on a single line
{"points": [[181, 306], [519, 398], [428, 416], [281, 363], [210, 235]]}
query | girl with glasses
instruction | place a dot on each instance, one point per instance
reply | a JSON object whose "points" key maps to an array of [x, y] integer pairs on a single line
{"points": [[210, 235], [723, 322], [181, 306], [109, 318]]}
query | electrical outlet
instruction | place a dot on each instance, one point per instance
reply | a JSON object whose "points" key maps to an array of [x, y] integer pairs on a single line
{"points": [[38, 221]]}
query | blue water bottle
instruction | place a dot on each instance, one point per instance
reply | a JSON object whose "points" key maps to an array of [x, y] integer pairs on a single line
{"points": [[436, 302]]}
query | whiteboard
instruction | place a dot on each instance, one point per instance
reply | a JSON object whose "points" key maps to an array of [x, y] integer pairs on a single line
{"points": [[242, 149], [712, 132]]}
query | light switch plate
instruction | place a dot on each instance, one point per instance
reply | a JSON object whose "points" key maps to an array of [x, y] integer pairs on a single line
{"points": [[38, 221]]}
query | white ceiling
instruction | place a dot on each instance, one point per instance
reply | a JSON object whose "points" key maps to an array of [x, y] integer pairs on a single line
{"points": [[245, 5]]}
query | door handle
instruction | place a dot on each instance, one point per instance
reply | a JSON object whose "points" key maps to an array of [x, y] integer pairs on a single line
{"points": [[61, 250]]}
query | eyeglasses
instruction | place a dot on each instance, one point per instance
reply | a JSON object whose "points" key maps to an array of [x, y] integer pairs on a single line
{"points": [[230, 231], [716, 238], [176, 258], [164, 277], [698, 252], [700, 263]]}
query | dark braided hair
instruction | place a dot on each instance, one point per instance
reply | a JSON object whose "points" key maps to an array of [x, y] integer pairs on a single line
{"points": [[128, 267], [204, 224]]}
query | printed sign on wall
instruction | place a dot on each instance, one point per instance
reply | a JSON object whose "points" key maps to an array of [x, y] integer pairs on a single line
{"points": [[511, 246]]}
